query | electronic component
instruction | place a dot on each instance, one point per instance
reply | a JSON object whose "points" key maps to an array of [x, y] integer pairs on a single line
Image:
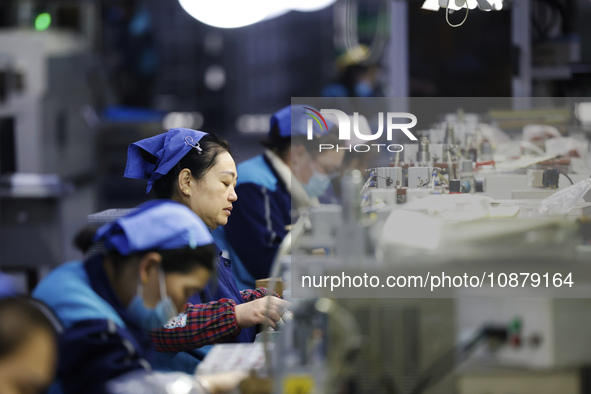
{"points": [[535, 178], [550, 179], [480, 185], [419, 176], [388, 177], [423, 155]]}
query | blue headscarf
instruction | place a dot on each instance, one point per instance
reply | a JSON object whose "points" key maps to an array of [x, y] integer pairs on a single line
{"points": [[167, 148], [155, 225]]}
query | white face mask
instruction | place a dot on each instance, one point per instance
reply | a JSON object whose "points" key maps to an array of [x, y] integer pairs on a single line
{"points": [[151, 318]]}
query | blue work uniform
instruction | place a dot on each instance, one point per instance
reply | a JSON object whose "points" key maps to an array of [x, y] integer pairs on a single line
{"points": [[101, 341], [224, 287], [258, 222]]}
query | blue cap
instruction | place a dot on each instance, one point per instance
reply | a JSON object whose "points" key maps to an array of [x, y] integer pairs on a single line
{"points": [[293, 121], [168, 149], [154, 225]]}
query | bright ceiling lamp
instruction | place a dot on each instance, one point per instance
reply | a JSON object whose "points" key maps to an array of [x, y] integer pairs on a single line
{"points": [[276, 13], [485, 5], [431, 5], [310, 5], [455, 5], [497, 5], [229, 13]]}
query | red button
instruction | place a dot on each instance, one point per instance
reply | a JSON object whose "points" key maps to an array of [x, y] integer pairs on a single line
{"points": [[515, 340]]}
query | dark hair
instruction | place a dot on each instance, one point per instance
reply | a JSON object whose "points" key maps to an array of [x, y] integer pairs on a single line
{"points": [[280, 145], [83, 239], [181, 261], [350, 76], [185, 260], [212, 145], [18, 317]]}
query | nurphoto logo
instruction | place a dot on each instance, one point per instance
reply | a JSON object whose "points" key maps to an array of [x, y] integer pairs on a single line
{"points": [[346, 125]]}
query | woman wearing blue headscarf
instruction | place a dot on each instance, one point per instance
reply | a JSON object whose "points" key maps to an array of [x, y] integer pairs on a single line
{"points": [[197, 170], [162, 248]]}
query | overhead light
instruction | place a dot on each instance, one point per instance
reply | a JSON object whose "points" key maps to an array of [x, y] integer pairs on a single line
{"points": [[230, 14], [215, 77], [253, 123], [190, 120], [431, 5], [454, 5], [310, 5], [497, 4], [276, 13], [485, 5]]}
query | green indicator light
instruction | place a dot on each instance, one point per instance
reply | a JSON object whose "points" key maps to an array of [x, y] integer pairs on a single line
{"points": [[515, 326], [42, 21]]}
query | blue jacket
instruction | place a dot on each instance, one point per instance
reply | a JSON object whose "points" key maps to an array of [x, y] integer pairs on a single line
{"points": [[101, 340], [223, 287], [258, 222]]}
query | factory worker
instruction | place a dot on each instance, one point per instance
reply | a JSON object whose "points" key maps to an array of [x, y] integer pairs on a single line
{"points": [[290, 173], [197, 170], [160, 251], [28, 347], [355, 77]]}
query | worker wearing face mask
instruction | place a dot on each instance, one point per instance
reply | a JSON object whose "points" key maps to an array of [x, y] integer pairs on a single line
{"points": [[355, 76], [291, 173], [155, 258]]}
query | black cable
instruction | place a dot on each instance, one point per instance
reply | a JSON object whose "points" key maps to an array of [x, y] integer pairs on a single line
{"points": [[389, 180], [567, 177], [444, 365], [441, 367]]}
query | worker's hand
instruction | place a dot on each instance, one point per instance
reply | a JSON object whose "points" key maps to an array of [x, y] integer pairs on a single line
{"points": [[220, 383], [267, 310]]}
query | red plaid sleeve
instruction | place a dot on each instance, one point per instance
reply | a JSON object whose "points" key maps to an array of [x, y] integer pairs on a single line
{"points": [[259, 292], [198, 325]]}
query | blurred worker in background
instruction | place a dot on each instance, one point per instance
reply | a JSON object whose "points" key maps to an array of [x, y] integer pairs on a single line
{"points": [[28, 349], [355, 78], [290, 173], [160, 253], [197, 170]]}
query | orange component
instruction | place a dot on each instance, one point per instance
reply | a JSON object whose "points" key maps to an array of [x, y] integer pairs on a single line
{"points": [[485, 163]]}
